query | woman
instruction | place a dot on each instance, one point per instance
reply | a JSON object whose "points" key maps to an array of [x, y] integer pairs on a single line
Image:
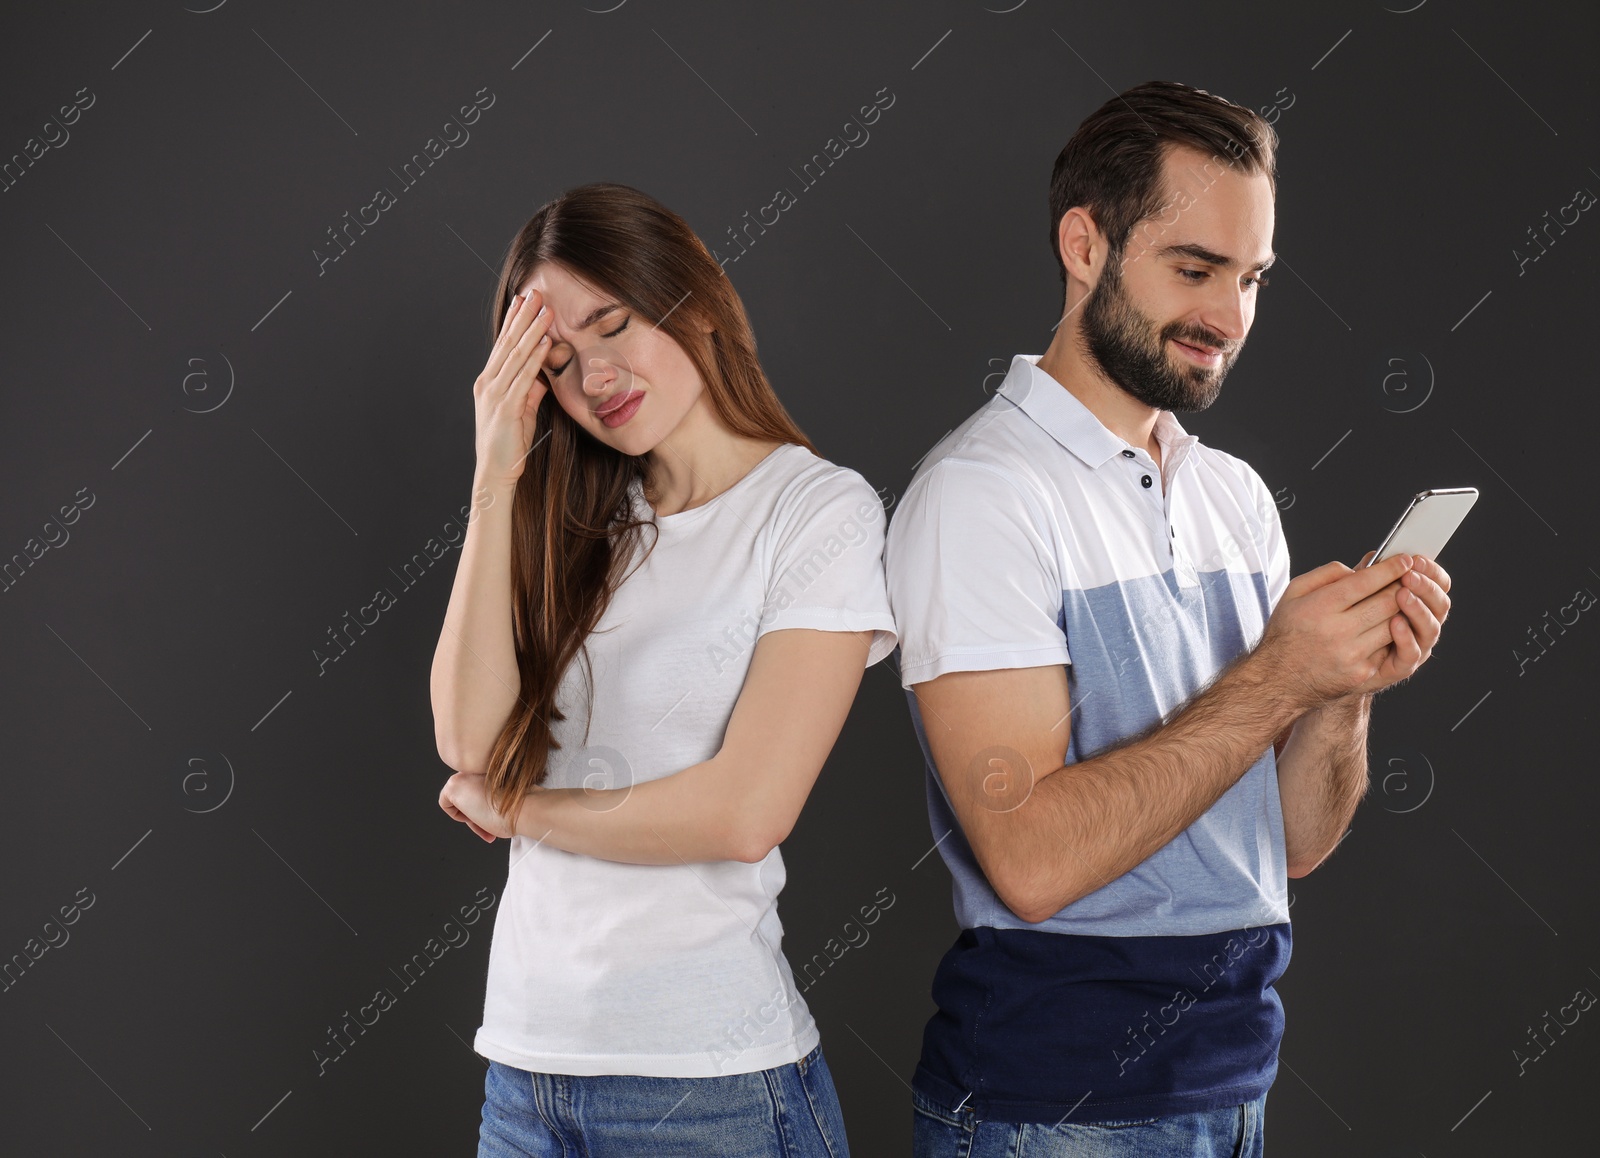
{"points": [[644, 504]]}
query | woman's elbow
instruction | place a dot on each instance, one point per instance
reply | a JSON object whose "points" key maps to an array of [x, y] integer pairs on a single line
{"points": [[456, 757], [752, 847], [460, 745], [752, 839], [752, 852]]}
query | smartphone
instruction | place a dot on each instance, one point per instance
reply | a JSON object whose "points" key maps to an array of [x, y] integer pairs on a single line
{"points": [[1427, 524]]}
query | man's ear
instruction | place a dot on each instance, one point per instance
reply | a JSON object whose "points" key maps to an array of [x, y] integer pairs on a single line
{"points": [[1081, 244]]}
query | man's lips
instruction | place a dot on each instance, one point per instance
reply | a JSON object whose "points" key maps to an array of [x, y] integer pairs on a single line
{"points": [[1209, 354]]}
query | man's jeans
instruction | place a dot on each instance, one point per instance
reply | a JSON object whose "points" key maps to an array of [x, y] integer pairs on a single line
{"points": [[1233, 1132]]}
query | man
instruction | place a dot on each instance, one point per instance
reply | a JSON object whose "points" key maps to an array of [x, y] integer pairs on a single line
{"points": [[1135, 724]]}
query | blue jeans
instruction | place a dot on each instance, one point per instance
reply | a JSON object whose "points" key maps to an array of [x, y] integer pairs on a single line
{"points": [[1233, 1132], [788, 1111]]}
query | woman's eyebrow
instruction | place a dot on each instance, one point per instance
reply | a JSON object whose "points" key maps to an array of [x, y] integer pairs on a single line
{"points": [[595, 315]]}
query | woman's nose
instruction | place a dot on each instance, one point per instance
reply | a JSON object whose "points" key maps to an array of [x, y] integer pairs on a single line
{"points": [[598, 375]]}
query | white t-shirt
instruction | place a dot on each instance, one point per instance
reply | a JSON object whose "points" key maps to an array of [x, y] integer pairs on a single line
{"points": [[600, 967]]}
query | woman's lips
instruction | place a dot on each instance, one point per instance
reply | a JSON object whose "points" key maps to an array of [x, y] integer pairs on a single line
{"points": [[621, 408]]}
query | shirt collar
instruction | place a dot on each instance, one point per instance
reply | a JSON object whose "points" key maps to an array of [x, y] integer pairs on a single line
{"points": [[1062, 416]]}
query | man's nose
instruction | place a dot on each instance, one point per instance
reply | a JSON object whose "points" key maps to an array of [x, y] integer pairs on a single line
{"points": [[1228, 314]]}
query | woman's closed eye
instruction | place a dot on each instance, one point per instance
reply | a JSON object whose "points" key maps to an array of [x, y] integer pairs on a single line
{"points": [[553, 372]]}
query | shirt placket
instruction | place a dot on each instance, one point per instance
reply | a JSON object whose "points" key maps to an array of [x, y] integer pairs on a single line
{"points": [[1146, 478]]}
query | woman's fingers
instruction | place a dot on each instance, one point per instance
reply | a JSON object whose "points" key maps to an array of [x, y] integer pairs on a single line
{"points": [[523, 394], [525, 377], [503, 341], [504, 396], [456, 814], [525, 357], [523, 316], [517, 302]]}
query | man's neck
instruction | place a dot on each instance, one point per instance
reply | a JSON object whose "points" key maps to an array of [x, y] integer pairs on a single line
{"points": [[1118, 411]]}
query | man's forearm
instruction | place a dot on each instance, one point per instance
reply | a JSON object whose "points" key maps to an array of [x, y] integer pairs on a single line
{"points": [[1089, 822], [1322, 776]]}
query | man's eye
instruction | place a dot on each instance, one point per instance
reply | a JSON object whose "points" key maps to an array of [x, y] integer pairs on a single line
{"points": [[619, 329], [1193, 274], [1259, 280]]}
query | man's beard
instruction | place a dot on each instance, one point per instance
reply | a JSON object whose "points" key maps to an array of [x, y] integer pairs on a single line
{"points": [[1126, 346]]}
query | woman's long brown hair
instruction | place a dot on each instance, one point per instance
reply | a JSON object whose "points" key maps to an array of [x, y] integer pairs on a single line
{"points": [[572, 530]]}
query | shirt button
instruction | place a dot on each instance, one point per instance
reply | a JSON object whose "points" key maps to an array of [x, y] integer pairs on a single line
{"points": [[1144, 481], [1127, 454]]}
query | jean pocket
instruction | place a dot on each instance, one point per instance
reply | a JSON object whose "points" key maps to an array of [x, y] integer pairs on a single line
{"points": [[823, 1099], [928, 1108]]}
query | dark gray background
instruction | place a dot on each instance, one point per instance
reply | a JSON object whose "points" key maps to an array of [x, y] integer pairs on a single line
{"points": [[262, 843]]}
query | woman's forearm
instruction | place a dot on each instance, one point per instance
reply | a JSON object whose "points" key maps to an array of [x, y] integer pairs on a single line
{"points": [[744, 801], [690, 816], [474, 682]]}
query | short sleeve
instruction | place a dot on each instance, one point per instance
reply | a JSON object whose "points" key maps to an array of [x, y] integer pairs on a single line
{"points": [[1277, 560], [974, 582], [1276, 547], [827, 562]]}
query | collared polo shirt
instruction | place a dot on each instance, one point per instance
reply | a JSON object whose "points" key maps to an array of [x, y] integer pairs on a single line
{"points": [[1033, 535]]}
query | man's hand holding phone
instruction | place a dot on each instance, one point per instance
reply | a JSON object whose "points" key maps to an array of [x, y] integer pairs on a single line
{"points": [[1340, 631], [1423, 599]]}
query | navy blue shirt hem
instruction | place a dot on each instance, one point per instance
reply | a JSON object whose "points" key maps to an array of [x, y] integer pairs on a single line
{"points": [[1036, 1027]]}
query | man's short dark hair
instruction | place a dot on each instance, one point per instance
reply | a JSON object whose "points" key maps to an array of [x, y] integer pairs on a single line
{"points": [[1112, 164]]}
